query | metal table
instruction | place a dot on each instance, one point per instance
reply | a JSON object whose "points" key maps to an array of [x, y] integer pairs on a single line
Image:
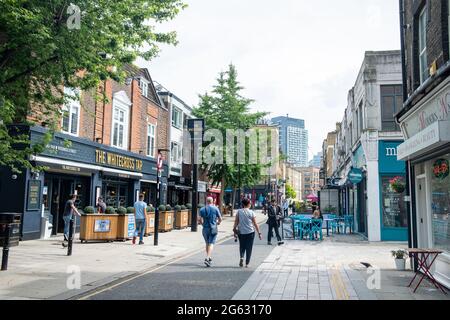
{"points": [[425, 258]]}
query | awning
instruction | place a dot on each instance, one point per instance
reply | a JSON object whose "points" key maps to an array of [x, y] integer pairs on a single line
{"points": [[428, 139]]}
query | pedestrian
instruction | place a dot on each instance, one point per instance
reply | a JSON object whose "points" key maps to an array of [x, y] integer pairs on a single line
{"points": [[69, 211], [272, 221], [140, 208], [245, 226], [101, 205], [286, 207], [210, 218]]}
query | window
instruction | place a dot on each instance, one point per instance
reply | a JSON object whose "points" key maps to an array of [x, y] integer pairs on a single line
{"points": [[423, 64], [391, 103], [151, 140], [120, 125], [70, 122], [177, 118], [440, 203], [175, 154], [360, 119], [144, 87], [394, 207]]}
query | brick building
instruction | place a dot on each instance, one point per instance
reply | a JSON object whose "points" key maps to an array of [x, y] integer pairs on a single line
{"points": [[106, 146], [425, 124]]}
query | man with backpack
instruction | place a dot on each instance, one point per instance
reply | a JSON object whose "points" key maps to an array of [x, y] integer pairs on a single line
{"points": [[210, 218]]}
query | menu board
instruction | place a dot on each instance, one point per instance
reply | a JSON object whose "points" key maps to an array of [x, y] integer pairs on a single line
{"points": [[34, 195]]}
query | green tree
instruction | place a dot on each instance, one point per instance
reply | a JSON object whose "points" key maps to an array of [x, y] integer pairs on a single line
{"points": [[290, 192], [78, 43], [226, 109]]}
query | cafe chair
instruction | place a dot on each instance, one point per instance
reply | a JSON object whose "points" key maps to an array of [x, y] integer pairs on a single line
{"points": [[316, 227], [348, 223], [305, 228]]}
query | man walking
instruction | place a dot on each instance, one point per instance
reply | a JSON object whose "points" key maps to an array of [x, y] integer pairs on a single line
{"points": [[140, 208], [286, 207], [210, 218], [69, 210], [273, 223]]}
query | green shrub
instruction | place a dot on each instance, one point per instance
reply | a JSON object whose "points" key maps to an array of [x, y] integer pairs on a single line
{"points": [[110, 210], [89, 210], [162, 208], [122, 210], [189, 206], [168, 208], [150, 209], [183, 207], [177, 208], [130, 210]]}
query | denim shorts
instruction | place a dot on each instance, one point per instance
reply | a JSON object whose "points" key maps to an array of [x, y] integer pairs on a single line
{"points": [[209, 238]]}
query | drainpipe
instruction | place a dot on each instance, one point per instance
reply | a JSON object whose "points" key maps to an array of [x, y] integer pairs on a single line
{"points": [[412, 231]]}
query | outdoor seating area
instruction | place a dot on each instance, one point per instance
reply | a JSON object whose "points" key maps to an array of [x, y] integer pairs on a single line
{"points": [[306, 228]]}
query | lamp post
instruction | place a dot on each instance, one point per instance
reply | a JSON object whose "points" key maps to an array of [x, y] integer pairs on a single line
{"points": [[159, 166]]}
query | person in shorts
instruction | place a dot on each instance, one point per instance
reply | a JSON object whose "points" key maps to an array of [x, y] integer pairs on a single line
{"points": [[210, 218]]}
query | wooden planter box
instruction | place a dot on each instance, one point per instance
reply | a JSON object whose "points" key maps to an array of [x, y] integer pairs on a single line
{"points": [[98, 227], [189, 218], [125, 227], [181, 219], [150, 221], [165, 221]]}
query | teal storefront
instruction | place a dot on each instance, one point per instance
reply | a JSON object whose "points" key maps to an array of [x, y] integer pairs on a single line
{"points": [[394, 221]]}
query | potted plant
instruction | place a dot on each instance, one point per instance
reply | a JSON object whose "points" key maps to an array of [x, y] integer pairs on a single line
{"points": [[150, 228], [130, 210], [181, 217], [126, 223], [89, 210], [121, 210], [397, 184], [189, 209], [110, 210], [165, 218], [400, 258]]}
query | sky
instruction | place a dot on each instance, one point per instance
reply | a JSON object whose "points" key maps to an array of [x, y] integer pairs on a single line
{"points": [[293, 57]]}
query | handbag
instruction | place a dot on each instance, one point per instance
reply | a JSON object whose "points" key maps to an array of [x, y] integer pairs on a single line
{"points": [[213, 227]]}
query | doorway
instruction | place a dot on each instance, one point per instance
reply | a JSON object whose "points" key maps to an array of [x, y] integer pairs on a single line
{"points": [[421, 204], [362, 207]]}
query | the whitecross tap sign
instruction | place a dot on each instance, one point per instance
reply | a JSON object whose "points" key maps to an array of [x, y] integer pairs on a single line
{"points": [[436, 109]]}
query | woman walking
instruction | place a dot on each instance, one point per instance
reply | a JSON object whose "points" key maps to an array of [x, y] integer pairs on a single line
{"points": [[245, 226]]}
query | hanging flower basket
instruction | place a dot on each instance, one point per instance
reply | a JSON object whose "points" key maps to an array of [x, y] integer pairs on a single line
{"points": [[398, 185]]}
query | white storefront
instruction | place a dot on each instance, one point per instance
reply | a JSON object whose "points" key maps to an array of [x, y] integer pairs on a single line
{"points": [[427, 129]]}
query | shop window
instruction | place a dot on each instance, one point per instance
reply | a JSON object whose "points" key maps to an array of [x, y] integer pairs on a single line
{"points": [[120, 125], [440, 203], [394, 207], [71, 112]]}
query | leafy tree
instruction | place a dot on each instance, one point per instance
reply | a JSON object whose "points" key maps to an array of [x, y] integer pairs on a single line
{"points": [[78, 43], [226, 109], [290, 192]]}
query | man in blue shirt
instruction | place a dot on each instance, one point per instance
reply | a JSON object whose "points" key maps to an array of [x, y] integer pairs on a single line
{"points": [[210, 218], [140, 209]]}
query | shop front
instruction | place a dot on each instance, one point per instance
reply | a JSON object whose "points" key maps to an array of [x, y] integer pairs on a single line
{"points": [[179, 191], [427, 148], [357, 177], [71, 166]]}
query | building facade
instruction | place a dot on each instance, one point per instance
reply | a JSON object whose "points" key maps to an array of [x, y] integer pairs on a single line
{"points": [[310, 182], [317, 160], [363, 158], [293, 140], [425, 123], [105, 147]]}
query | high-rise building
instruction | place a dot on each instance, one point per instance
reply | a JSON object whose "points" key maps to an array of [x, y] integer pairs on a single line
{"points": [[316, 161], [293, 140]]}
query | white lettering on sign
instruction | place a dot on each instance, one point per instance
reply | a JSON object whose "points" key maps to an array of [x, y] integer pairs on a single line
{"points": [[391, 152]]}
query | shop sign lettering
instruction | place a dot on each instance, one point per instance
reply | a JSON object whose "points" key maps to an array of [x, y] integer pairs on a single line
{"points": [[118, 161]]}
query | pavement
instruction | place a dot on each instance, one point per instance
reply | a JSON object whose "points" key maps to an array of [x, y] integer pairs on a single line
{"points": [[333, 270], [41, 269]]}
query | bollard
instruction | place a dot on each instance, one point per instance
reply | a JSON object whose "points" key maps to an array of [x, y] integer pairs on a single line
{"points": [[69, 246], [6, 248]]}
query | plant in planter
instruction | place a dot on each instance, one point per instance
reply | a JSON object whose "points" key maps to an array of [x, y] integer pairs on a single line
{"points": [[110, 210], [188, 206], [122, 210], [150, 208], [89, 210], [168, 208], [177, 208], [162, 208], [130, 210], [183, 208], [400, 258], [397, 184]]}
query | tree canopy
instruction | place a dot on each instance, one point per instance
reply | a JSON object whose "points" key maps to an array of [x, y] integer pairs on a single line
{"points": [[78, 43]]}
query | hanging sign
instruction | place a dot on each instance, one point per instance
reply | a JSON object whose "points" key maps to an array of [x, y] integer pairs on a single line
{"points": [[355, 176], [441, 169]]}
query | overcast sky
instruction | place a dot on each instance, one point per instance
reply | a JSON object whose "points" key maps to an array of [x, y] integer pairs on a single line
{"points": [[294, 57]]}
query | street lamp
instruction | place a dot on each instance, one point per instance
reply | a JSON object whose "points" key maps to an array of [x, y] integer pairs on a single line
{"points": [[159, 165]]}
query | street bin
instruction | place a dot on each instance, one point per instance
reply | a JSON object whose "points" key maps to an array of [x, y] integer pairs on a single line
{"points": [[9, 234]]}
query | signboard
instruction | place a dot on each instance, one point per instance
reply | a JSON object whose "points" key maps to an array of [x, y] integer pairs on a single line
{"points": [[118, 161], [441, 169], [355, 176], [131, 225], [102, 226], [387, 158], [34, 195], [202, 186]]}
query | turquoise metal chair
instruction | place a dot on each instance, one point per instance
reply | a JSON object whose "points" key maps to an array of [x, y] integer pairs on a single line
{"points": [[348, 223], [334, 224], [305, 228], [316, 227]]}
